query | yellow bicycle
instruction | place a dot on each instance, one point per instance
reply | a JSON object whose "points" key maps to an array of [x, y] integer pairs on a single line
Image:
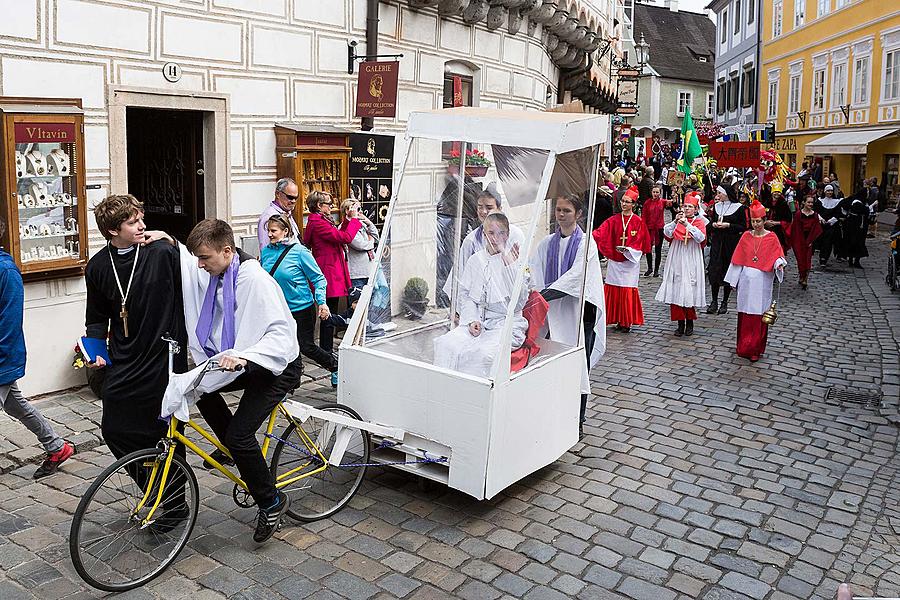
{"points": [[138, 514]]}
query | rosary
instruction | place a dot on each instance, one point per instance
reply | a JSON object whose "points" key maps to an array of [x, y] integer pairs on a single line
{"points": [[123, 314]]}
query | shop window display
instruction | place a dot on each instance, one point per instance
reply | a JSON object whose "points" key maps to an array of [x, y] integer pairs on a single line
{"points": [[46, 189]]}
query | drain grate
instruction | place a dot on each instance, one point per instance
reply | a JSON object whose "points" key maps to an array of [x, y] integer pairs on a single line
{"points": [[865, 399]]}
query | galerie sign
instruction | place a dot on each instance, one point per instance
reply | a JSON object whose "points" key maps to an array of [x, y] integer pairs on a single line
{"points": [[376, 91], [45, 132]]}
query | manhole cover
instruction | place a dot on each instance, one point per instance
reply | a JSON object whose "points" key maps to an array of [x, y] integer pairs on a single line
{"points": [[865, 399]]}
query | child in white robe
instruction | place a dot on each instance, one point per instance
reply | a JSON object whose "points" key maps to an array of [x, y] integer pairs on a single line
{"points": [[485, 290]]}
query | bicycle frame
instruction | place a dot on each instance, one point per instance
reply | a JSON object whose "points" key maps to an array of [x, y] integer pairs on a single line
{"points": [[175, 437]]}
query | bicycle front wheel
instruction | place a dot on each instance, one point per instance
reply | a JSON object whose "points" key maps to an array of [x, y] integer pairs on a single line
{"points": [[318, 495], [112, 549]]}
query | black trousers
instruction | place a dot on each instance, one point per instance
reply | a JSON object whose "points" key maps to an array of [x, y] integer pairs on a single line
{"points": [[326, 329], [306, 337], [262, 392], [590, 315]]}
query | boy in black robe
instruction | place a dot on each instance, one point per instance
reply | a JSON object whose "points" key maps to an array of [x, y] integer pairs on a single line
{"points": [[152, 307]]}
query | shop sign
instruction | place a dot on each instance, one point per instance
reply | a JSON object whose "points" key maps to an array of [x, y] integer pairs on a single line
{"points": [[376, 90], [371, 173], [321, 140], [735, 154], [45, 133]]}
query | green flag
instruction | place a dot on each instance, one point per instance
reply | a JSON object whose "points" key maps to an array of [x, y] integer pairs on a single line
{"points": [[690, 147]]}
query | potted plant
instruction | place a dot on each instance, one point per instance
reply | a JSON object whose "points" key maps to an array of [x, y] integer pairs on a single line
{"points": [[476, 163], [415, 298]]}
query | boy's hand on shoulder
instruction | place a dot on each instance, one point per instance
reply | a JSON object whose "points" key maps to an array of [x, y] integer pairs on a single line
{"points": [[152, 236]]}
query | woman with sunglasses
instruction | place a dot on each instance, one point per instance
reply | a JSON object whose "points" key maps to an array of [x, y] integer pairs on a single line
{"points": [[327, 242]]}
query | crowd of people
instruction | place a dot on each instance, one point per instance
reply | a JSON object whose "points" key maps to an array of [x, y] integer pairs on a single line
{"points": [[716, 217]]}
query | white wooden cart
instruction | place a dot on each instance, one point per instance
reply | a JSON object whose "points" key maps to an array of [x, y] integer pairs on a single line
{"points": [[475, 434]]}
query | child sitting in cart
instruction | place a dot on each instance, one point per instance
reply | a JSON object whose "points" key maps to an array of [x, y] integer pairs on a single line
{"points": [[485, 290]]}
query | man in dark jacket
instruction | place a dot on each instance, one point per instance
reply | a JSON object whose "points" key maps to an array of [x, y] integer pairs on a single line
{"points": [[645, 186], [12, 367]]}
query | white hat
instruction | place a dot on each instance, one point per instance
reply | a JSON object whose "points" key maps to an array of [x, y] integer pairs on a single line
{"points": [[829, 188]]}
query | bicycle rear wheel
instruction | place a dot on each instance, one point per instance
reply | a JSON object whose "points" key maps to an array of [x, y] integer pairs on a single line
{"points": [[110, 548], [320, 495]]}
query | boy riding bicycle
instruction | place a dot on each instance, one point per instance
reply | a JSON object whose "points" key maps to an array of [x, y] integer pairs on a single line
{"points": [[233, 306]]}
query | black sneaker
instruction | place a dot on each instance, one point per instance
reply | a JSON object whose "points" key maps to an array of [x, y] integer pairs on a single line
{"points": [[268, 519], [220, 457], [170, 519], [713, 308]]}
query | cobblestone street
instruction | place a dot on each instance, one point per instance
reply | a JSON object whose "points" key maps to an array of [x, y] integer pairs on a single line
{"points": [[701, 475]]}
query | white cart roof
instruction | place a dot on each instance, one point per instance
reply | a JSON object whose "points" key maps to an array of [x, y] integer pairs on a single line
{"points": [[560, 132]]}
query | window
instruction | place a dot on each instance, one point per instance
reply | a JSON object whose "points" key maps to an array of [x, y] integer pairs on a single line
{"points": [[721, 97], [818, 90], [772, 110], [465, 90], [751, 11], [748, 87], [737, 17], [710, 104], [724, 28], [891, 80], [794, 95], [733, 89], [823, 7], [861, 80], [799, 8], [777, 17], [843, 3], [838, 85], [684, 102]]}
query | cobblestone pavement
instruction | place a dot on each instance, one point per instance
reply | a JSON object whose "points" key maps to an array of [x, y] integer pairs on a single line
{"points": [[701, 476]]}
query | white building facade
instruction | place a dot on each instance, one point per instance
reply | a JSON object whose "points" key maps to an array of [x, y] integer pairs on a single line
{"points": [[242, 66]]}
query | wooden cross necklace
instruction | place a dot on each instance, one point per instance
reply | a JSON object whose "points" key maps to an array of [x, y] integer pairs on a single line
{"points": [[625, 227], [123, 314]]}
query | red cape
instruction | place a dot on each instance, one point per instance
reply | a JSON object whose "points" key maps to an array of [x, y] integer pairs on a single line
{"points": [[681, 231], [609, 235], [767, 249]]}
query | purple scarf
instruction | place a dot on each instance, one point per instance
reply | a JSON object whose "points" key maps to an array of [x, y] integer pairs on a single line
{"points": [[551, 273], [229, 306]]}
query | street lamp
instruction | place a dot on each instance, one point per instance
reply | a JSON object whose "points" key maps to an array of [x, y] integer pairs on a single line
{"points": [[642, 49]]}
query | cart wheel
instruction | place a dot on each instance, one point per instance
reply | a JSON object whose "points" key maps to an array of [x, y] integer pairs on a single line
{"points": [[321, 494]]}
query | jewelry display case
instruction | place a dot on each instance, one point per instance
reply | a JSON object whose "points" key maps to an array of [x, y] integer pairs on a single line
{"points": [[317, 159], [43, 179]]}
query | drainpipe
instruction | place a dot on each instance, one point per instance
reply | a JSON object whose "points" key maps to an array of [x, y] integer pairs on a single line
{"points": [[367, 123], [759, 90]]}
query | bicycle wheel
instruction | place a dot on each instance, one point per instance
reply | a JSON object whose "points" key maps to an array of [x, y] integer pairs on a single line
{"points": [[320, 495], [892, 274], [110, 548]]}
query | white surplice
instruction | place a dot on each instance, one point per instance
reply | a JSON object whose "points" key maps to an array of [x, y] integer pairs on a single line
{"points": [[625, 273], [265, 331], [485, 292], [754, 287], [471, 244], [684, 277], [564, 318]]}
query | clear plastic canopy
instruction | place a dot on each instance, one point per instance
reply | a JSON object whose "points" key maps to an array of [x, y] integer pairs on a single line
{"points": [[481, 267]]}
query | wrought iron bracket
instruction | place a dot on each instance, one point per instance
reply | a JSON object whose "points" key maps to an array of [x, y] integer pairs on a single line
{"points": [[352, 57]]}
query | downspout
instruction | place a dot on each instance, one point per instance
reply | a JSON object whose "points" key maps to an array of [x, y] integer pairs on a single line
{"points": [[758, 61], [367, 123]]}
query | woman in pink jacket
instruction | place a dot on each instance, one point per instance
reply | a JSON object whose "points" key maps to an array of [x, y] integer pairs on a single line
{"points": [[327, 242]]}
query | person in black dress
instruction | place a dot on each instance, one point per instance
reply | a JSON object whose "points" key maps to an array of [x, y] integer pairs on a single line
{"points": [[152, 307], [831, 213], [855, 227], [728, 221]]}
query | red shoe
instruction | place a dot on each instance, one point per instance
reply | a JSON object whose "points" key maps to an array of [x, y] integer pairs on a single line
{"points": [[52, 462], [754, 358]]}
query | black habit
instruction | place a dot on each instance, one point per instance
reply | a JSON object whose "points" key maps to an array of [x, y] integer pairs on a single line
{"points": [[137, 378], [722, 242]]}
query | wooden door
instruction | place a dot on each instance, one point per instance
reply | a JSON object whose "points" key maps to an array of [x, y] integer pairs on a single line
{"points": [[165, 167]]}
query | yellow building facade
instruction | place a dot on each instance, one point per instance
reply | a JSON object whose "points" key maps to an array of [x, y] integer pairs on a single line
{"points": [[830, 82]]}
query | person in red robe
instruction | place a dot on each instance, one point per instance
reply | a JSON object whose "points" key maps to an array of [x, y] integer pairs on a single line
{"points": [[755, 263], [805, 229], [652, 215], [622, 239]]}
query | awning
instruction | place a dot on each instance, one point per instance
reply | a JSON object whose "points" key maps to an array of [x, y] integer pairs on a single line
{"points": [[847, 142]]}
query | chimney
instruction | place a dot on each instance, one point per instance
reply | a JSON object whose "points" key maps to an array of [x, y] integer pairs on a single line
{"points": [[673, 5]]}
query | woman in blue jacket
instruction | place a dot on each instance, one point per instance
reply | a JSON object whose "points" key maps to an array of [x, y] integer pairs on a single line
{"points": [[303, 284]]}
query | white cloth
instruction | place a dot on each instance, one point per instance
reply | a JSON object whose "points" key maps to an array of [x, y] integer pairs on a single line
{"points": [[723, 209], [829, 203], [754, 287], [265, 331], [471, 245], [626, 273], [565, 313], [485, 292], [684, 278]]}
